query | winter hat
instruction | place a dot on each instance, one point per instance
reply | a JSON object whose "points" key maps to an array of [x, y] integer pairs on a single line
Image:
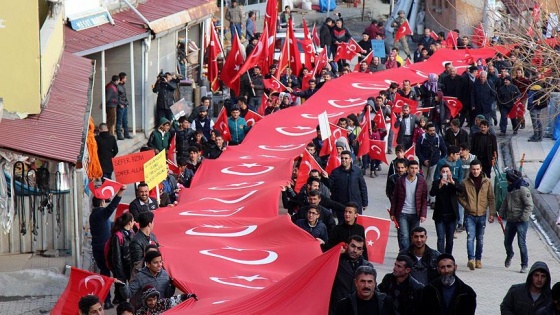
{"points": [[148, 292], [513, 175], [508, 78], [203, 109], [481, 117], [340, 143]]}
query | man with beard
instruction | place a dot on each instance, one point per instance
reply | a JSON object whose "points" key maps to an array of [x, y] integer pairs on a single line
{"points": [[366, 299], [424, 268], [402, 287], [143, 201], [447, 294]]}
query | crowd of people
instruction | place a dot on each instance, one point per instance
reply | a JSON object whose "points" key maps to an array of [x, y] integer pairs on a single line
{"points": [[450, 173]]}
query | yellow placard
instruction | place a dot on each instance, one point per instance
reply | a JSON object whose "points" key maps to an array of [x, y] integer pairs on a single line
{"points": [[155, 170]]}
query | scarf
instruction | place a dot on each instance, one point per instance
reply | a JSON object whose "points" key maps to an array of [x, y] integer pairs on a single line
{"points": [[517, 184], [432, 83], [477, 182]]}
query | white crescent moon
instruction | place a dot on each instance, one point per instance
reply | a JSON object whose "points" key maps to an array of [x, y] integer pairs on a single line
{"points": [[248, 230], [373, 228], [369, 86], [352, 104], [296, 134], [286, 147], [237, 186], [212, 212], [247, 195], [311, 116], [111, 190], [270, 258], [250, 121], [228, 170]]}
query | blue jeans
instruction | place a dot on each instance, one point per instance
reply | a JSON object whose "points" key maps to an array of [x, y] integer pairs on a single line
{"points": [[235, 28], [461, 211], [519, 228], [122, 121], [407, 222], [445, 229], [99, 257], [254, 103], [475, 226], [503, 120]]}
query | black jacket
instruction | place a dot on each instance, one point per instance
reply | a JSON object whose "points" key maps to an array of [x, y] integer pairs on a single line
{"points": [[349, 305], [447, 206], [343, 231], [120, 255], [325, 36], [325, 216], [107, 149], [426, 267], [456, 140], [136, 208], [344, 278], [484, 146], [138, 245], [349, 185], [165, 92], [463, 301], [409, 293], [182, 140], [99, 224], [518, 300]]}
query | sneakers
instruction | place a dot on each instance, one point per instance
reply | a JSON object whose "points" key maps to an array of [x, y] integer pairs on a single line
{"points": [[515, 132], [470, 264], [523, 269], [478, 264], [534, 139], [128, 137], [460, 228], [507, 263]]}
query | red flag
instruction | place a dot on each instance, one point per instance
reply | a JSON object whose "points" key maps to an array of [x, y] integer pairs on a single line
{"points": [[536, 13], [232, 65], [121, 208], [274, 85], [347, 51], [295, 59], [173, 167], [264, 102], [410, 154], [308, 48], [377, 236], [307, 164], [81, 283], [407, 62], [333, 161], [453, 104], [172, 149], [363, 136], [214, 50], [451, 40], [251, 118], [107, 190], [379, 120], [270, 24], [517, 111], [401, 100], [336, 132], [257, 56], [403, 30], [368, 58], [316, 38], [305, 81], [222, 125], [423, 111], [284, 58], [377, 150], [434, 35], [320, 62], [479, 36]]}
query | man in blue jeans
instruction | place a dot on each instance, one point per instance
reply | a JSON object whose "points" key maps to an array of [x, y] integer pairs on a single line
{"points": [[122, 109], [409, 204], [516, 210], [476, 196]]}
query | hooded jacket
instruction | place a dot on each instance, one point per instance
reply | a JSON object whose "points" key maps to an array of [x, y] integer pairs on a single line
{"points": [[159, 140], [144, 277], [518, 300], [518, 205]]}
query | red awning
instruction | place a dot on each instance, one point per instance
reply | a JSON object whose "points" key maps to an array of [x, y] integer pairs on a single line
{"points": [[58, 132]]}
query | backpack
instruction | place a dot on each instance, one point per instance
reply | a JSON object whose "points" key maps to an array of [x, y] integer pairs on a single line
{"points": [[107, 249]]}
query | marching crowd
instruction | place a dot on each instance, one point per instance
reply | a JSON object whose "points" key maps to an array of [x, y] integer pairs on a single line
{"points": [[449, 171]]}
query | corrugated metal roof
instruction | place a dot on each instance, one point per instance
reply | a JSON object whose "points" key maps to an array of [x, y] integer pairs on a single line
{"points": [[129, 27], [57, 133]]}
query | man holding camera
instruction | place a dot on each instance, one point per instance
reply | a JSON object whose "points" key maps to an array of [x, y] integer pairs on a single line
{"points": [[165, 86]]}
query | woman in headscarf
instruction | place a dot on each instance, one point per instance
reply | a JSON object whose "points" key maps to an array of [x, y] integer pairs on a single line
{"points": [[391, 62], [429, 89]]}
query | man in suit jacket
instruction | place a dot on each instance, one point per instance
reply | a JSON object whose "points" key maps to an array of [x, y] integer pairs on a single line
{"points": [[406, 123]]}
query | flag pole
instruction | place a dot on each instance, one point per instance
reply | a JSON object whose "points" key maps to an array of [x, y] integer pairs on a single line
{"points": [[251, 83]]}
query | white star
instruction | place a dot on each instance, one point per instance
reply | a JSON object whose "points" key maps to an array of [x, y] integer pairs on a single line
{"points": [[236, 68], [352, 100], [370, 243], [213, 226], [249, 279], [238, 184], [249, 165]]}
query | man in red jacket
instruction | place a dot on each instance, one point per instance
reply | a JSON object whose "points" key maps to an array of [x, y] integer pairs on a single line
{"points": [[409, 203]]}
